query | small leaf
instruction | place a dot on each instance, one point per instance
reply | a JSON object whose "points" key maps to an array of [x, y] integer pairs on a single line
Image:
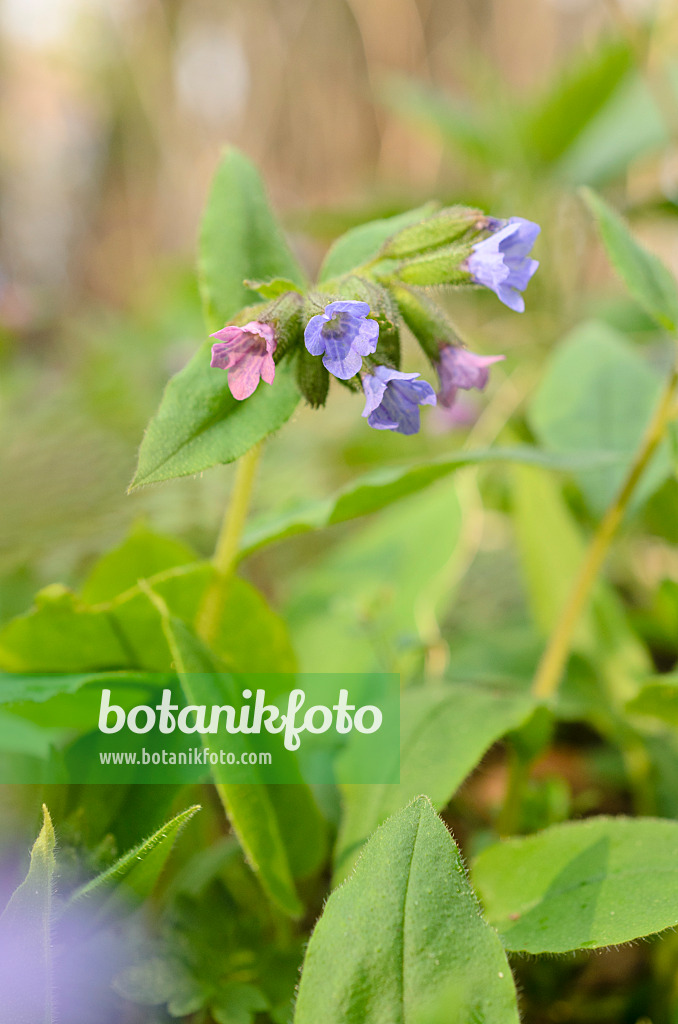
{"points": [[274, 288], [648, 280], [238, 1003], [239, 239], [199, 424], [26, 939], [582, 885], [444, 733], [402, 929], [363, 243], [132, 878]]}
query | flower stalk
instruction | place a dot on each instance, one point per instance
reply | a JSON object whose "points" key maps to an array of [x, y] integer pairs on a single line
{"points": [[225, 555], [552, 664]]}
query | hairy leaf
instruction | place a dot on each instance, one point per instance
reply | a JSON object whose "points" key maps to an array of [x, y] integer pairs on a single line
{"points": [[582, 884], [404, 929]]}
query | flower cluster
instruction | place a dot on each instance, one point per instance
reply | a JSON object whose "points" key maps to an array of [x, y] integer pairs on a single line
{"points": [[356, 341]]}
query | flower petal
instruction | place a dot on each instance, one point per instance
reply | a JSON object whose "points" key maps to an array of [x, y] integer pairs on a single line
{"points": [[347, 306], [313, 337]]}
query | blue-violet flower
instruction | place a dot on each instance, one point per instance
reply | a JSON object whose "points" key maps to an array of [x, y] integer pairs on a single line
{"points": [[459, 368], [342, 335], [501, 261], [393, 399], [247, 353]]}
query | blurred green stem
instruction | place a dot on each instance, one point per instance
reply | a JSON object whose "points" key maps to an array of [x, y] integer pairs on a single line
{"points": [[552, 664], [228, 544], [508, 821]]}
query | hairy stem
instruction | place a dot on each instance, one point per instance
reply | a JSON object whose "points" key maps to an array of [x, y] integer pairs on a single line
{"points": [[552, 664], [228, 544]]}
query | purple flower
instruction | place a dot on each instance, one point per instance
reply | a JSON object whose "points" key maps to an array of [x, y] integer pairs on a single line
{"points": [[393, 399], [501, 263], [344, 335], [247, 353], [459, 368]]}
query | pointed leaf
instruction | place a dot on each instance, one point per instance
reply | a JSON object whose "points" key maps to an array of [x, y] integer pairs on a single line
{"points": [[648, 280], [132, 878], [403, 930], [240, 239], [199, 424]]}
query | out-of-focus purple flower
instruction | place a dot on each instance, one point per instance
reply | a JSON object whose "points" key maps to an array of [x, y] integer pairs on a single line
{"points": [[501, 261], [342, 335], [459, 368], [247, 353], [393, 399], [460, 416]]}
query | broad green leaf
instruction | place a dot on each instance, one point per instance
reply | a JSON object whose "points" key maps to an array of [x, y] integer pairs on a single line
{"points": [[26, 980], [648, 280], [356, 608], [132, 878], [599, 393], [658, 699], [240, 239], [143, 553], [199, 424], [444, 733], [61, 634], [579, 92], [250, 808], [582, 885], [252, 637], [403, 929], [383, 487], [363, 243]]}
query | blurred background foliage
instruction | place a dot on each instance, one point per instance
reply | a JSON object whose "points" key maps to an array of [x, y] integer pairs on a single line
{"points": [[114, 113]]}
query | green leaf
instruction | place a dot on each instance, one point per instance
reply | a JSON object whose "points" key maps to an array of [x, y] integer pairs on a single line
{"points": [[274, 288], [444, 733], [578, 94], [239, 238], [599, 392], [19, 687], [250, 808], [658, 699], [143, 553], [238, 1003], [61, 634], [132, 878], [400, 930], [384, 487], [199, 424], [648, 280], [582, 885], [26, 939], [362, 244], [252, 637]]}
